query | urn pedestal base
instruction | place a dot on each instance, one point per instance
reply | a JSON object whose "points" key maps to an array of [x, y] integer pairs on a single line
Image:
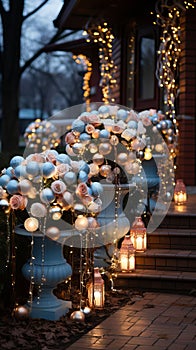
{"points": [[46, 270]]}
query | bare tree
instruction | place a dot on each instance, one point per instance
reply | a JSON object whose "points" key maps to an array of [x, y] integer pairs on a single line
{"points": [[12, 20], [53, 82]]}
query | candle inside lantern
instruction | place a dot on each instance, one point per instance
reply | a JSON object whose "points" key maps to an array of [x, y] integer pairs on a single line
{"points": [[96, 290], [127, 255], [180, 195], [139, 243], [138, 235], [97, 298]]}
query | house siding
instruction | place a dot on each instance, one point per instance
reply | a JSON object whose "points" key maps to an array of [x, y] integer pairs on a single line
{"points": [[186, 164]]}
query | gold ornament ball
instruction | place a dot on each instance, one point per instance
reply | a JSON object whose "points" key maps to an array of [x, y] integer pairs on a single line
{"points": [[21, 312], [77, 316]]}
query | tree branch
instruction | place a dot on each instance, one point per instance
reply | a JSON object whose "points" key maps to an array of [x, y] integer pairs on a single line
{"points": [[54, 39], [54, 82], [35, 10], [28, 62]]}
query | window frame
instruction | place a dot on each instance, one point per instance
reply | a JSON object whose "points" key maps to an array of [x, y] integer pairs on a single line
{"points": [[146, 31]]}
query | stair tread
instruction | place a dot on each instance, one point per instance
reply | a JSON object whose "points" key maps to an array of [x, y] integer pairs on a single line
{"points": [[173, 231], [162, 274], [174, 253]]}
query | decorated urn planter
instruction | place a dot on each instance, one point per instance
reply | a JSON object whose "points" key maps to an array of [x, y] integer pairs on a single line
{"points": [[58, 200], [118, 143]]}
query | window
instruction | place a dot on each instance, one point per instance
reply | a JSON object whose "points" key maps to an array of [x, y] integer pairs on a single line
{"points": [[146, 68], [146, 86]]}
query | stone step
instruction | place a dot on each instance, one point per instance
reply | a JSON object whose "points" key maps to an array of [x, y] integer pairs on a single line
{"points": [[172, 239], [179, 221], [166, 281], [167, 259]]}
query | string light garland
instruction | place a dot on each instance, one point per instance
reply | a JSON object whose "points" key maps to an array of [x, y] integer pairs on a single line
{"points": [[168, 14], [102, 35], [82, 59], [131, 65], [41, 135]]}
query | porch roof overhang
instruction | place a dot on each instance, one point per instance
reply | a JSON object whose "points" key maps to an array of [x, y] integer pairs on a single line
{"points": [[74, 46], [76, 14]]}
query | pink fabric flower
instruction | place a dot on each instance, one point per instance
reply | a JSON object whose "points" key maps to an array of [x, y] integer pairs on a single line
{"points": [[66, 201], [89, 128], [70, 138], [86, 199], [58, 187], [146, 121], [116, 129], [51, 157], [82, 190], [132, 116], [36, 157], [18, 202], [62, 169], [91, 119]]}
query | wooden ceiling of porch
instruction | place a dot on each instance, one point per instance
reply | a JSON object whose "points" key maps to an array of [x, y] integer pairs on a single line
{"points": [[76, 14]]}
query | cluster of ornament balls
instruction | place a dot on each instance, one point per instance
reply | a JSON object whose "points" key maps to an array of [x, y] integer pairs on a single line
{"points": [[166, 127], [41, 134], [47, 185], [95, 134]]}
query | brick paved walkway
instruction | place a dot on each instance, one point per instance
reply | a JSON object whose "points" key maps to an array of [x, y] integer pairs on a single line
{"points": [[156, 321]]}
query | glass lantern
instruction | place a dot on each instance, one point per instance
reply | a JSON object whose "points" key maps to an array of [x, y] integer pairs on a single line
{"points": [[180, 195], [138, 235], [96, 290], [127, 255]]}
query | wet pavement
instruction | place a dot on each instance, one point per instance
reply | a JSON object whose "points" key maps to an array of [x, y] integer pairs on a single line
{"points": [[155, 321]]}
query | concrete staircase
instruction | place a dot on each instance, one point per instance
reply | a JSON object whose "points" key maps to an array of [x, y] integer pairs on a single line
{"points": [[169, 263]]}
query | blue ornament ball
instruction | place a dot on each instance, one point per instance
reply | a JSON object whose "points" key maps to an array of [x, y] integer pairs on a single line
{"points": [[132, 124], [47, 196], [82, 176], [85, 113], [12, 187], [70, 178], [63, 158], [20, 171], [48, 169], [84, 137], [96, 188], [85, 167], [32, 168], [94, 111], [103, 109], [105, 134], [122, 114], [4, 179], [9, 171], [15, 161], [78, 125]]}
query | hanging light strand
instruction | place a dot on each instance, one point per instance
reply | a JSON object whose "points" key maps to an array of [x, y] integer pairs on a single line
{"points": [[168, 14], [83, 60], [102, 35]]}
